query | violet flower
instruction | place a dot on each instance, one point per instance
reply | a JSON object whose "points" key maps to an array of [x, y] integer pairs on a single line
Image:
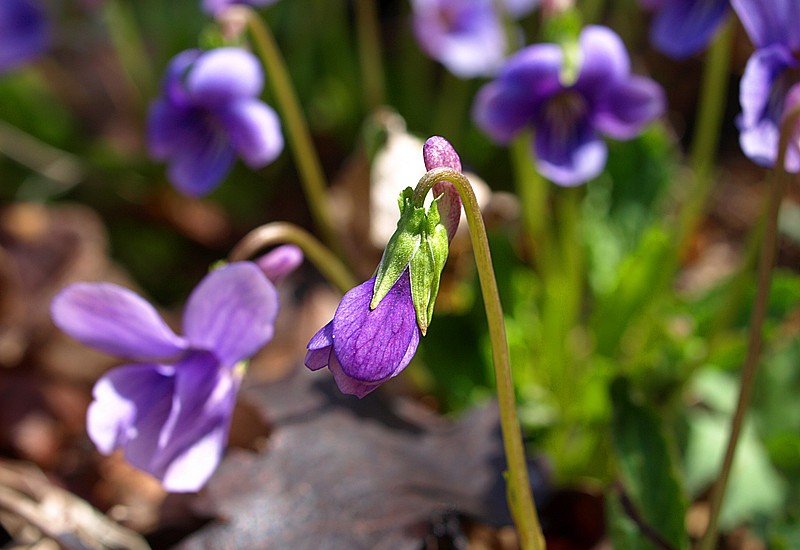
{"points": [[169, 411], [208, 114], [568, 118], [24, 33], [365, 347], [681, 28], [770, 76], [466, 36], [215, 6]]}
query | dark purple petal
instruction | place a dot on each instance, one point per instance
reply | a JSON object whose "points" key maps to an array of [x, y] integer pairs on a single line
{"points": [[374, 345], [437, 152], [170, 126], [173, 83], [319, 348], [535, 70], [628, 106], [131, 405], [502, 110], [568, 153], [254, 130], [200, 162], [114, 320], [224, 74], [684, 27], [231, 312], [280, 262], [603, 62], [24, 33], [347, 384], [770, 22]]}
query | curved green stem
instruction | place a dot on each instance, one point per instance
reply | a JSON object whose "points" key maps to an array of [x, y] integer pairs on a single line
{"points": [[283, 233], [308, 163], [769, 245], [520, 498], [369, 52]]}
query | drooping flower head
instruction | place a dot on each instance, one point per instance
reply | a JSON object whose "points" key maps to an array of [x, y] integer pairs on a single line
{"points": [[569, 115], [169, 410], [771, 75], [681, 28], [209, 113], [215, 6], [376, 329], [24, 33], [466, 36]]}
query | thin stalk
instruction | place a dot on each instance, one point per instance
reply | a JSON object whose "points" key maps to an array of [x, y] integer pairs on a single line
{"points": [[705, 142], [369, 53], [286, 233], [130, 49], [305, 156], [769, 246], [533, 191], [518, 491]]}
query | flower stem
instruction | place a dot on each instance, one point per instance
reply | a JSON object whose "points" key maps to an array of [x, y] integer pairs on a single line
{"points": [[518, 492], [308, 163], [282, 233], [769, 245], [369, 52]]}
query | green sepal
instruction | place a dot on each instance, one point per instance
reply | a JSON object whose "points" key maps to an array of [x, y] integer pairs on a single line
{"points": [[426, 268], [401, 247]]}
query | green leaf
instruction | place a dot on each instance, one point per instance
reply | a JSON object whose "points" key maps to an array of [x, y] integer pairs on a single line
{"points": [[647, 470]]}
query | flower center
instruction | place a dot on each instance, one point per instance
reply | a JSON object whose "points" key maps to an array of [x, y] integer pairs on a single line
{"points": [[565, 109]]}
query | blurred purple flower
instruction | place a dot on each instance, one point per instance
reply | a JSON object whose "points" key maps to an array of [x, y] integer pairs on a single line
{"points": [[24, 33], [170, 411], [681, 28], [216, 6], [770, 76], [208, 114], [363, 347], [568, 118], [466, 36]]}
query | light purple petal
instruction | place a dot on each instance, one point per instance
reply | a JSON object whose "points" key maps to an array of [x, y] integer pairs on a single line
{"points": [[24, 33], [114, 320], [231, 312], [173, 83], [757, 94], [215, 6], [224, 74], [254, 130], [131, 405], [372, 345], [349, 385], [604, 60], [627, 107], [684, 27], [760, 144], [568, 154], [319, 348], [437, 152], [770, 22], [279, 262], [200, 163]]}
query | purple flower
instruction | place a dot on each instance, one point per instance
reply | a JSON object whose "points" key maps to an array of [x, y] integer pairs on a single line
{"points": [[169, 411], [681, 28], [216, 6], [568, 118], [24, 33], [466, 36], [208, 114], [770, 76]]}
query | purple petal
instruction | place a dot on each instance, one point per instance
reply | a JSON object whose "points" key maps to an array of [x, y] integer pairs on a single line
{"points": [[131, 405], [114, 320], [520, 8], [347, 384], [502, 110], [373, 345], [200, 162], [757, 93], [568, 153], [24, 33], [224, 74], [437, 152], [254, 130], [169, 127], [535, 69], [231, 312], [215, 6], [684, 27], [770, 22], [628, 107], [604, 60], [319, 348], [173, 83], [280, 262]]}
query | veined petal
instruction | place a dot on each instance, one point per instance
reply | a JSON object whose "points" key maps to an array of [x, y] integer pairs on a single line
{"points": [[231, 312], [319, 348], [349, 385], [224, 74], [201, 162], [627, 107], [604, 60], [254, 130], [372, 345], [437, 152], [114, 320], [569, 154], [770, 22], [684, 27]]}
